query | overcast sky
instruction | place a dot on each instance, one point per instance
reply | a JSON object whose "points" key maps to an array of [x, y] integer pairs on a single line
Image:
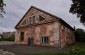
{"points": [[15, 9]]}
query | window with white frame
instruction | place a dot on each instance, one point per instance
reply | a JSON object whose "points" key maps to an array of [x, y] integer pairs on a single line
{"points": [[44, 39]]}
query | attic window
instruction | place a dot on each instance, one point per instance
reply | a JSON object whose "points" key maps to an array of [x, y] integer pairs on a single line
{"points": [[41, 18], [32, 20], [24, 22]]}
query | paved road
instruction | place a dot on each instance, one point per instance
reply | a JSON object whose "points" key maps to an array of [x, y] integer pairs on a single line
{"points": [[24, 50], [7, 42]]}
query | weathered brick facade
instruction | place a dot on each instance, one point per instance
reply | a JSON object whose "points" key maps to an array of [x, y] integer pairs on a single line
{"points": [[52, 31]]}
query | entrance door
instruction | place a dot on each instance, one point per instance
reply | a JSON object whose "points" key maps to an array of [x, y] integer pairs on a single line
{"points": [[30, 41], [22, 36]]}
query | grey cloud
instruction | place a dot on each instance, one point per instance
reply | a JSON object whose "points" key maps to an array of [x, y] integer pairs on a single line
{"points": [[15, 9], [2, 29]]}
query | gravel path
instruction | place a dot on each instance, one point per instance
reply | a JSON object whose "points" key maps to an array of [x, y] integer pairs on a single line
{"points": [[7, 42], [24, 50]]}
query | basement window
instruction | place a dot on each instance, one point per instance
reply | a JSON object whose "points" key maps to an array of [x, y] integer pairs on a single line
{"points": [[41, 18], [44, 39]]}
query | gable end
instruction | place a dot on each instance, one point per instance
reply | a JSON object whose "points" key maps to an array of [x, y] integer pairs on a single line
{"points": [[57, 18]]}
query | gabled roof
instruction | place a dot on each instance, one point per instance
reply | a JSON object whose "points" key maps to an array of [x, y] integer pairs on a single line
{"points": [[61, 20]]}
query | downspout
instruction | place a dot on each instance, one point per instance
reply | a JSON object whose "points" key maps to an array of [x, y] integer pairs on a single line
{"points": [[59, 35]]}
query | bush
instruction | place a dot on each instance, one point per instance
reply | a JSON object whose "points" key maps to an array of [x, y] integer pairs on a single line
{"points": [[80, 35]]}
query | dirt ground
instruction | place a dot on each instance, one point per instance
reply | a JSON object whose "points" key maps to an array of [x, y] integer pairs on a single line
{"points": [[25, 50]]}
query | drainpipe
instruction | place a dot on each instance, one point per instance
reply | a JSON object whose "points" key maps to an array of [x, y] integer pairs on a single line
{"points": [[59, 36]]}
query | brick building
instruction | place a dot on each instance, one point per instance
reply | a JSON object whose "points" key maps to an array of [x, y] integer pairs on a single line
{"points": [[38, 27]]}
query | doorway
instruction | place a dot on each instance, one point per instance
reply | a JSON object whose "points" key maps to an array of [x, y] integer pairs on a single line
{"points": [[22, 36], [30, 41]]}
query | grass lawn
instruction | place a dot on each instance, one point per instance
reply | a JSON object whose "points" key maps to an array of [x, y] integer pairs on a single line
{"points": [[77, 49]]}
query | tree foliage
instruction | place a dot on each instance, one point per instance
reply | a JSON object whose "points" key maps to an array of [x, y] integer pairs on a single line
{"points": [[80, 35], [78, 8], [2, 8]]}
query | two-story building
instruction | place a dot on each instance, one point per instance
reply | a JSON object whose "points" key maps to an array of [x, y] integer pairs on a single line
{"points": [[40, 28]]}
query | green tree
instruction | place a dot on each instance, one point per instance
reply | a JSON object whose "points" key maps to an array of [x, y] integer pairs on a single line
{"points": [[78, 8], [2, 8], [80, 35]]}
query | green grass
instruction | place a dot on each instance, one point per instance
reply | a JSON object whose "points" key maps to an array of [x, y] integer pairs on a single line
{"points": [[79, 46], [77, 49], [76, 52]]}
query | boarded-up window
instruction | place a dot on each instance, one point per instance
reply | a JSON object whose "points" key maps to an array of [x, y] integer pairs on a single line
{"points": [[22, 36]]}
